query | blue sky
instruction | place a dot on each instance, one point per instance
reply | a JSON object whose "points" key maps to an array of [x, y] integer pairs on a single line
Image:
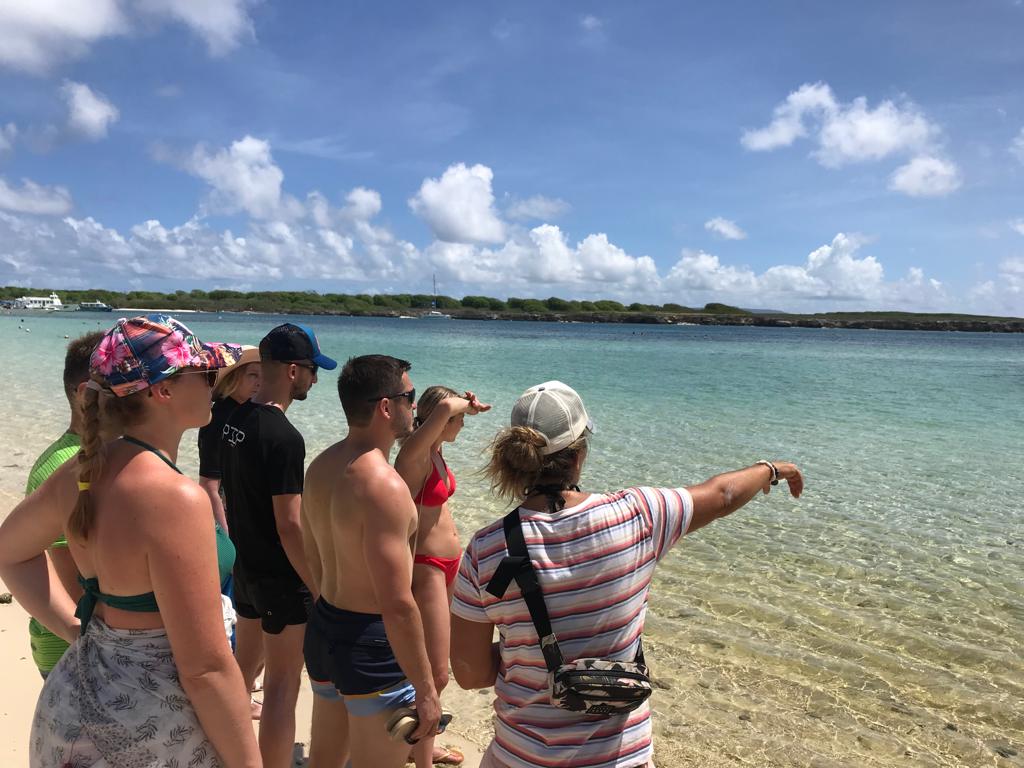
{"points": [[797, 155]]}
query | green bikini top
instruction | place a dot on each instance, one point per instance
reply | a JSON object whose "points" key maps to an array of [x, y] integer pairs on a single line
{"points": [[145, 603]]}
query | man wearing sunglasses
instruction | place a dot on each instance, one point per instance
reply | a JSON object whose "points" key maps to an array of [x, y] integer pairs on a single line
{"points": [[365, 648], [263, 458]]}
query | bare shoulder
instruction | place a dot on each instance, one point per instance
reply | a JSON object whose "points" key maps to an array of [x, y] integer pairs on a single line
{"points": [[329, 462], [171, 505], [378, 484]]}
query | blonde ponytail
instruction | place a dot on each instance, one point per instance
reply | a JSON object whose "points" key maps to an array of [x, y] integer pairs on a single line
{"points": [[518, 463]]}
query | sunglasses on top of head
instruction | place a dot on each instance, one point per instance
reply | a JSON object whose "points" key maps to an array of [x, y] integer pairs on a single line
{"points": [[410, 396]]}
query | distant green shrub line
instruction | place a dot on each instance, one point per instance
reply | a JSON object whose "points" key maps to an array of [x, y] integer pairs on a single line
{"points": [[310, 302], [313, 303]]}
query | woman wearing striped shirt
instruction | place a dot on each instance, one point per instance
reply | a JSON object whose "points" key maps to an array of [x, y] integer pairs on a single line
{"points": [[594, 554]]}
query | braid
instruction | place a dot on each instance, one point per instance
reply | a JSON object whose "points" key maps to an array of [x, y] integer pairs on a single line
{"points": [[90, 465]]}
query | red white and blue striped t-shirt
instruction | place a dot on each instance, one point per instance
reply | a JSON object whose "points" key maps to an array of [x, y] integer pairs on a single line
{"points": [[595, 562]]}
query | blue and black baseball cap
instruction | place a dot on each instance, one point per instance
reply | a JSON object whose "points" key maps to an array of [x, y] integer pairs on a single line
{"points": [[293, 343]]}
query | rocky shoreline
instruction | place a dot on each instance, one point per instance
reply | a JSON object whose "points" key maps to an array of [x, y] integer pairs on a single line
{"points": [[911, 323]]}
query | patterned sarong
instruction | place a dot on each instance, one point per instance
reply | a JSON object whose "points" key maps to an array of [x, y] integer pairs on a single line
{"points": [[114, 701]]}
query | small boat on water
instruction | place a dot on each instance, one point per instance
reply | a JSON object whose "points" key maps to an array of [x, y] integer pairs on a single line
{"points": [[434, 314], [51, 303], [94, 306]]}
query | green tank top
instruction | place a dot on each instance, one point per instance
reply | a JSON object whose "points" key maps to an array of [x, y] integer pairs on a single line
{"points": [[146, 603]]}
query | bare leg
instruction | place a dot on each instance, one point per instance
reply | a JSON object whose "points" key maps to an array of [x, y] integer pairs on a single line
{"points": [[281, 680], [370, 746], [328, 741], [432, 597], [249, 655], [249, 649]]}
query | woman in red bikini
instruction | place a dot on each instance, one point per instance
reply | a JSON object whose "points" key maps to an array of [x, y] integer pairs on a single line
{"points": [[440, 413]]}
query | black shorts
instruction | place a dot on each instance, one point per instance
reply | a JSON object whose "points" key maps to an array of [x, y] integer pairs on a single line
{"points": [[276, 603], [351, 651]]}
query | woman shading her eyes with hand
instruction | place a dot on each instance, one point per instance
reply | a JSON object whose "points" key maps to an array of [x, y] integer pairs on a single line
{"points": [[440, 415]]}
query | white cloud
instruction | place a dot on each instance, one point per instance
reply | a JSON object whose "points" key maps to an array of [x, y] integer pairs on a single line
{"points": [[223, 24], [537, 207], [926, 177], [726, 228], [846, 133], [855, 133], [285, 240], [1003, 295], [591, 23], [543, 257], [459, 207], [698, 271], [37, 35], [831, 273], [8, 133], [34, 198], [1017, 225], [787, 124], [244, 177], [362, 204], [1017, 146], [90, 114]]}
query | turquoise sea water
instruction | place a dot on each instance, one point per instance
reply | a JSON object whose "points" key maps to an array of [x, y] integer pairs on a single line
{"points": [[876, 621]]}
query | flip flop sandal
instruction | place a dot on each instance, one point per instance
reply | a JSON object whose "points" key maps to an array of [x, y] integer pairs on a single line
{"points": [[448, 756]]}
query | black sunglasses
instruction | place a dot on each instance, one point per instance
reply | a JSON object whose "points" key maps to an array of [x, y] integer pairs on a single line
{"points": [[305, 364], [411, 395]]}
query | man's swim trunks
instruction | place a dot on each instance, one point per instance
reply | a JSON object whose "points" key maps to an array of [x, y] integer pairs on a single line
{"points": [[348, 656]]}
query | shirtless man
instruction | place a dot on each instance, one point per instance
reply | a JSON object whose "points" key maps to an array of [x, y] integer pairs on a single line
{"points": [[364, 642]]}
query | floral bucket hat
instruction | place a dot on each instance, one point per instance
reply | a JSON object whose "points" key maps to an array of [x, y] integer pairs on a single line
{"points": [[137, 353]]}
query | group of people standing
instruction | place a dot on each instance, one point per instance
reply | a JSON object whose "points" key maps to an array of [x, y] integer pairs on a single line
{"points": [[137, 577]]}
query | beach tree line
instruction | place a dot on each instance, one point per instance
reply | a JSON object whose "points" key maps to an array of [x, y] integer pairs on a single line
{"points": [[311, 302]]}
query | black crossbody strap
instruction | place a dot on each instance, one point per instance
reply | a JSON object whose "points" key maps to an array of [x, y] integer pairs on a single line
{"points": [[517, 566]]}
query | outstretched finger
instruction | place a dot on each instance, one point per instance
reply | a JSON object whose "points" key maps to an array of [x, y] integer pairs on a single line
{"points": [[796, 484]]}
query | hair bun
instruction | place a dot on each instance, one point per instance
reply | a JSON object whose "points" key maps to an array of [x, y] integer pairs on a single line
{"points": [[523, 449]]}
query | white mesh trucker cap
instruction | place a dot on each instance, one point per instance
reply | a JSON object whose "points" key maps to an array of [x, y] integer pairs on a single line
{"points": [[556, 411]]}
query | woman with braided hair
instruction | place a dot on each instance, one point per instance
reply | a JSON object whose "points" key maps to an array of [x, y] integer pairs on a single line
{"points": [[149, 679]]}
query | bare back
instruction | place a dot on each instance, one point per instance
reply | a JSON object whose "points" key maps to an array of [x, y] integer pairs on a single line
{"points": [[345, 485], [140, 501]]}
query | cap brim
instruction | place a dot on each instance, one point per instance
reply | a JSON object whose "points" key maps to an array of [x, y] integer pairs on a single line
{"points": [[214, 355], [323, 361]]}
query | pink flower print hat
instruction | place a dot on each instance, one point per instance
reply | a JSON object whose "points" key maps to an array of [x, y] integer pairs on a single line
{"points": [[137, 353]]}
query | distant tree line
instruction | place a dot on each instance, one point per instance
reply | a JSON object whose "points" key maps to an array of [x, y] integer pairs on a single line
{"points": [[311, 302]]}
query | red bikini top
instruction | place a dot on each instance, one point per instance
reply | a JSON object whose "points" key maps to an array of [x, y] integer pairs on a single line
{"points": [[435, 492]]}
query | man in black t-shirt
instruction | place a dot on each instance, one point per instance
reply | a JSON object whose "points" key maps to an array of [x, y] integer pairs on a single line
{"points": [[263, 463]]}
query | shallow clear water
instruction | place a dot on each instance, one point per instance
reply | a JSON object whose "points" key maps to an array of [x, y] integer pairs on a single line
{"points": [[876, 621]]}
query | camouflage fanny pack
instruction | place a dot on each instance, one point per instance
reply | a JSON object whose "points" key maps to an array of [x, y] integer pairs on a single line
{"points": [[593, 686]]}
